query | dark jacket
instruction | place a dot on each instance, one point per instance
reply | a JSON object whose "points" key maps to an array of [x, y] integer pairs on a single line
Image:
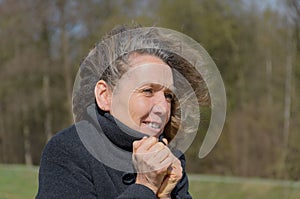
{"points": [[69, 170]]}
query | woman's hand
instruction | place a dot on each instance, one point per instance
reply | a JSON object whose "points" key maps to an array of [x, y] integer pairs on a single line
{"points": [[152, 160], [173, 176]]}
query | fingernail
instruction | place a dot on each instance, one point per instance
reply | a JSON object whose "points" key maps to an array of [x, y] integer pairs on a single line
{"points": [[162, 142]]}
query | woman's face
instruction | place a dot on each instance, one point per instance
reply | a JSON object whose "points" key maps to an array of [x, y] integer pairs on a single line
{"points": [[142, 98]]}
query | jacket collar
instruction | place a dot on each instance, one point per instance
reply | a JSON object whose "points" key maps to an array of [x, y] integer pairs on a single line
{"points": [[117, 132]]}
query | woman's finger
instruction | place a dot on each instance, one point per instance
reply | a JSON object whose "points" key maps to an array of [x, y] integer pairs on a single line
{"points": [[146, 144]]}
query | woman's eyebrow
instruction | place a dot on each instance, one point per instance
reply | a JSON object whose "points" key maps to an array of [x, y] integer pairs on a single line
{"points": [[171, 88], [157, 85]]}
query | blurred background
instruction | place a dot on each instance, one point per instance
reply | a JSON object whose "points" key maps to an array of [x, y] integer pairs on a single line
{"points": [[255, 44]]}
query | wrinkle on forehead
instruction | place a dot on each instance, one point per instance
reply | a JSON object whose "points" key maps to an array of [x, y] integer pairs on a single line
{"points": [[149, 73]]}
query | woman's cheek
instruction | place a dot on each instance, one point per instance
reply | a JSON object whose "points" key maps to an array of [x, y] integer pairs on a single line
{"points": [[139, 107]]}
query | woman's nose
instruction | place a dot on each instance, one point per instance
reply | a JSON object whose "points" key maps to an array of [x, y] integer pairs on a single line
{"points": [[161, 104]]}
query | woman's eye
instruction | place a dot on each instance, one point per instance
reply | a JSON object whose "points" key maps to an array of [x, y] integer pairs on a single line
{"points": [[169, 96], [148, 91]]}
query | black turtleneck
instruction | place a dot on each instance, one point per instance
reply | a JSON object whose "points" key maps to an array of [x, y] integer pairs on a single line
{"points": [[92, 159], [117, 132]]}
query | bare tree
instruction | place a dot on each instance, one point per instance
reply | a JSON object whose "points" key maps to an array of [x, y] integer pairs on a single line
{"points": [[65, 54], [292, 45], [27, 146], [48, 115], [287, 99], [2, 137]]}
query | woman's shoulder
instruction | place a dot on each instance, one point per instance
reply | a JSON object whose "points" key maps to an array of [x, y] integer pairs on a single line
{"points": [[69, 137], [64, 143], [64, 137]]}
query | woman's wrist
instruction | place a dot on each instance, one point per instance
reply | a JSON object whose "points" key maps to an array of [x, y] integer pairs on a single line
{"points": [[150, 186]]}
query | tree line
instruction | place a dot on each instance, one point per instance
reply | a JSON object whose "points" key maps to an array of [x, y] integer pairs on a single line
{"points": [[256, 50]]}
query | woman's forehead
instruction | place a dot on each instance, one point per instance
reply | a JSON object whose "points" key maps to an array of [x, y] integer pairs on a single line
{"points": [[150, 73], [140, 59]]}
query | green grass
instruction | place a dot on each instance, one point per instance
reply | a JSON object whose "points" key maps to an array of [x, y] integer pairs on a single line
{"points": [[20, 182], [217, 187]]}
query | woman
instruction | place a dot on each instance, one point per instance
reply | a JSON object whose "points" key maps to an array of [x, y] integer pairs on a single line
{"points": [[129, 107]]}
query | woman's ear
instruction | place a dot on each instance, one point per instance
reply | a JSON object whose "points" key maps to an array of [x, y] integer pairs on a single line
{"points": [[103, 95]]}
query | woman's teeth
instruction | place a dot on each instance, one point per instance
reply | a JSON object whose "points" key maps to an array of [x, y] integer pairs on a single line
{"points": [[153, 125]]}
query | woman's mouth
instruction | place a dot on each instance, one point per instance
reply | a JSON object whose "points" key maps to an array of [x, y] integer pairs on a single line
{"points": [[153, 125]]}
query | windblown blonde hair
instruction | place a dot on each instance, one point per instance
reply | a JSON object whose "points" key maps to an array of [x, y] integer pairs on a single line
{"points": [[108, 61]]}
